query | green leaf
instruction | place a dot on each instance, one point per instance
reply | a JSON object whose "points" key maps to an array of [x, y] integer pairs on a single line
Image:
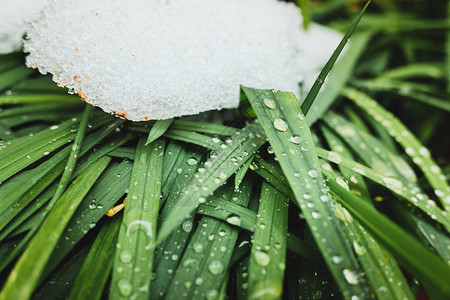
{"points": [[36, 98], [339, 76], [418, 153], [229, 212], [192, 137], [73, 156], [289, 136], [158, 129], [25, 274], [180, 166], [329, 65], [395, 184], [222, 165], [111, 186], [136, 242], [412, 255], [10, 77], [240, 174], [92, 279], [268, 254], [210, 249]]}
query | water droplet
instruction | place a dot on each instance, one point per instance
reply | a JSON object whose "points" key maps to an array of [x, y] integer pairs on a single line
{"points": [[342, 182], [234, 219], [270, 103], [199, 281], [222, 232], [187, 226], [192, 161], [215, 267], [174, 257], [351, 276], [198, 247], [316, 215], [324, 198], [125, 256], [360, 250], [262, 258], [46, 153], [313, 173], [337, 259], [270, 150], [54, 127], [125, 287], [280, 125], [212, 295], [295, 139], [301, 116]]}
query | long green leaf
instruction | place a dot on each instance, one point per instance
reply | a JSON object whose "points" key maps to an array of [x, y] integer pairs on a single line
{"points": [[92, 279], [25, 275], [281, 117], [203, 267], [415, 257], [136, 242], [339, 76], [158, 129], [329, 65], [268, 255], [418, 153], [222, 164]]}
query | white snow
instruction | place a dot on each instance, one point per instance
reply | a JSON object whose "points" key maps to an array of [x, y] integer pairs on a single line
{"points": [[14, 15], [161, 59]]}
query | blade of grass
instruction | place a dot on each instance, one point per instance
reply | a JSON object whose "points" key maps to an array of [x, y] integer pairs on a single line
{"points": [[20, 193], [281, 117], [240, 174], [178, 174], [158, 129], [229, 212], [22, 152], [6, 134], [58, 285], [268, 255], [418, 153], [136, 242], [111, 187], [356, 181], [73, 157], [272, 176], [36, 98], [91, 280], [10, 77], [192, 138], [414, 70], [25, 275], [370, 254], [339, 76], [221, 165], [407, 89], [329, 65], [420, 261], [392, 183], [200, 276]]}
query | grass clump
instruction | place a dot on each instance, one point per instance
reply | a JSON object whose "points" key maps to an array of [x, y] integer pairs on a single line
{"points": [[340, 195]]}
